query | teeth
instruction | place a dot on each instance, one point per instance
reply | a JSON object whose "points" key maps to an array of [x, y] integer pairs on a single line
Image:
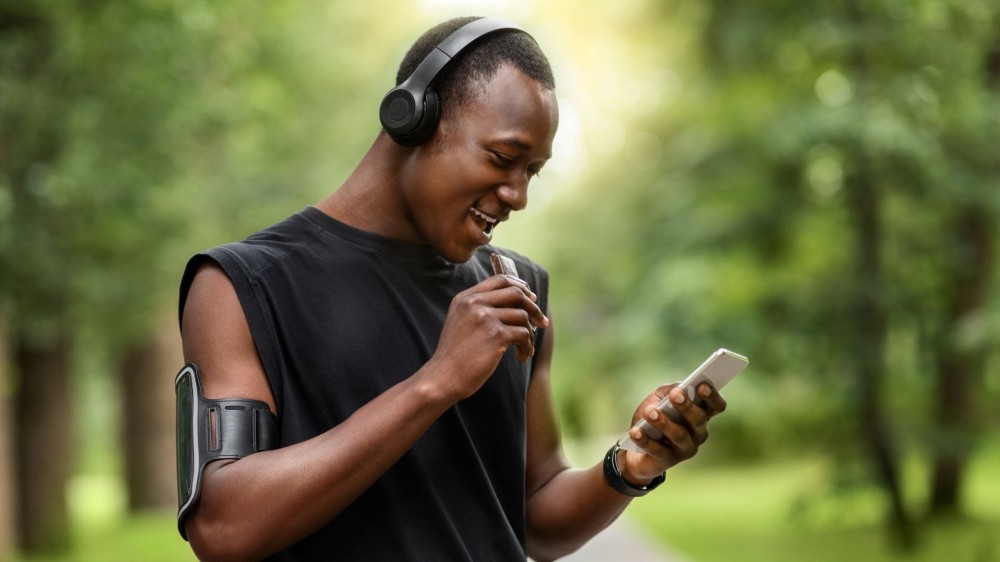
{"points": [[482, 215], [490, 221]]}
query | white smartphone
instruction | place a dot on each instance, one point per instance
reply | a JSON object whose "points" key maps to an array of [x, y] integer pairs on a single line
{"points": [[720, 368]]}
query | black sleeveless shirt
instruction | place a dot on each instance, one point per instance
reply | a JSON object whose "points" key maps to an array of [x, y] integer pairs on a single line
{"points": [[339, 315]]}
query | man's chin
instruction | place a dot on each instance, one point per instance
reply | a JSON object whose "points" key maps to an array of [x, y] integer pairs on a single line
{"points": [[457, 255], [459, 259]]}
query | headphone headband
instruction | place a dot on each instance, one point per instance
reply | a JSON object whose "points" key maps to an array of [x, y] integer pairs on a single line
{"points": [[410, 111], [432, 64]]}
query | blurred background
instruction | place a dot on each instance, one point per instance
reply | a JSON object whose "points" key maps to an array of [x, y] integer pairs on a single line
{"points": [[815, 185]]}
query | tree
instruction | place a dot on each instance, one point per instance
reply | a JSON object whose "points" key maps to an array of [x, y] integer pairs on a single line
{"points": [[969, 272], [8, 531], [33, 233], [131, 135], [824, 195]]}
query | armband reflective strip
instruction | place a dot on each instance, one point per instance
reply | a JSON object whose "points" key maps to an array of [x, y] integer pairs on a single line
{"points": [[208, 430]]}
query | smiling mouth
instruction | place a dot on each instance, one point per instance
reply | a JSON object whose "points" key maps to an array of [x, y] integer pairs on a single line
{"points": [[485, 221]]}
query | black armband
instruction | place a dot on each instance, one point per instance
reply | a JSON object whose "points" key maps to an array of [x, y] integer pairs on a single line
{"points": [[208, 430]]}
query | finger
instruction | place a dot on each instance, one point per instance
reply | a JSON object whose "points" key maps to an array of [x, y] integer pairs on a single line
{"points": [[503, 293], [651, 446], [713, 402], [680, 430], [660, 393], [526, 345], [514, 296], [679, 439], [518, 331], [522, 284], [659, 453], [497, 282], [653, 399], [692, 416], [516, 317], [657, 421]]}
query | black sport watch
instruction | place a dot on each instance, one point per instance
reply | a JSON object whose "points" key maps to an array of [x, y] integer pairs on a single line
{"points": [[616, 481]]}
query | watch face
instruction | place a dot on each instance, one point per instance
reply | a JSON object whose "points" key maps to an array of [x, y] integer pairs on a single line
{"points": [[186, 387]]}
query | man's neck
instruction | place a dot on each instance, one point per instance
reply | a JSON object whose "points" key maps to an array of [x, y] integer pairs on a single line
{"points": [[369, 198]]}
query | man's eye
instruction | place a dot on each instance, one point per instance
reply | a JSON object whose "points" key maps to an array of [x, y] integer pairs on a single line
{"points": [[502, 160]]}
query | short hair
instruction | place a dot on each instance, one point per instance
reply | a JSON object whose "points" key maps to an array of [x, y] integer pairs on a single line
{"points": [[475, 65]]}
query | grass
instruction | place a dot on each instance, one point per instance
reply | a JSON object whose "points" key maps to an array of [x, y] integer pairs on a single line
{"points": [[102, 533], [149, 538], [786, 510]]}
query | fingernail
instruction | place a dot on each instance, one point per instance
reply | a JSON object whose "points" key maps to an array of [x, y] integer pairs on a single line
{"points": [[705, 391], [679, 398], [636, 434], [654, 414]]}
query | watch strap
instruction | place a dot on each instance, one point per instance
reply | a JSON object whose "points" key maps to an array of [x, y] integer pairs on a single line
{"points": [[614, 477]]}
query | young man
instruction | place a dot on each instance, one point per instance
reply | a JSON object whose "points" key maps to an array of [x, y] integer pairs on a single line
{"points": [[410, 384]]}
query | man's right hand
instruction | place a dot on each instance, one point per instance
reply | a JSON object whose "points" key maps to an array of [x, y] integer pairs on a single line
{"points": [[482, 322]]}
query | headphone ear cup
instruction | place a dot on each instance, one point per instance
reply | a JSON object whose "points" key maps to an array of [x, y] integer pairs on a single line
{"points": [[429, 117], [410, 123], [432, 115], [399, 113]]}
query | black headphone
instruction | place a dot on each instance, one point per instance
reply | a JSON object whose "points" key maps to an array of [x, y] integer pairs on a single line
{"points": [[410, 111]]}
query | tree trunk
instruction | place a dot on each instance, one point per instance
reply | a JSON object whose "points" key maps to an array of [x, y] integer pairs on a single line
{"points": [[146, 372], [44, 441], [864, 201], [869, 345], [8, 532], [958, 364]]}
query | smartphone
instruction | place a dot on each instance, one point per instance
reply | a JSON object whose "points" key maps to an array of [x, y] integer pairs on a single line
{"points": [[720, 368]]}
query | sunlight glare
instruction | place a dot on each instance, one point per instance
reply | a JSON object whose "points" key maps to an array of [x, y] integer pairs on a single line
{"points": [[504, 8]]}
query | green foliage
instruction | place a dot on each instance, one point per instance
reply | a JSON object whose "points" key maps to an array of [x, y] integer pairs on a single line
{"points": [[137, 133], [741, 236], [133, 134]]}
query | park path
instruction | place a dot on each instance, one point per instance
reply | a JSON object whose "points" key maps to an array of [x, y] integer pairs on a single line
{"points": [[622, 542]]}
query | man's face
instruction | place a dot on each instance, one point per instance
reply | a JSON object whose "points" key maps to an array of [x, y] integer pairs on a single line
{"points": [[475, 170]]}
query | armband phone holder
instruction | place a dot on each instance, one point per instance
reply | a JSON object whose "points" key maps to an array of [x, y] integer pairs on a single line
{"points": [[209, 430]]}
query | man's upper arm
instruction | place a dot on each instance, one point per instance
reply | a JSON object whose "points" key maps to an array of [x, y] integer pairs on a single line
{"points": [[217, 338]]}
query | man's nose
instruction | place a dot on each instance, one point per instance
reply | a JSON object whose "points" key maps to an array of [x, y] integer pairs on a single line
{"points": [[514, 193]]}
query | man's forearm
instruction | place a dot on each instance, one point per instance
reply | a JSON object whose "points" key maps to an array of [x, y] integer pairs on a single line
{"points": [[267, 501], [569, 510]]}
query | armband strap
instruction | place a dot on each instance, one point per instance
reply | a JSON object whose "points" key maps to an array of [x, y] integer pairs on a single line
{"points": [[208, 430]]}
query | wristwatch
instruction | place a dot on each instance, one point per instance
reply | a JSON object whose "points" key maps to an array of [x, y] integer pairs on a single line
{"points": [[618, 482]]}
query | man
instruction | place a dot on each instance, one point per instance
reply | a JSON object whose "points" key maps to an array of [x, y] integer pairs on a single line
{"points": [[411, 386]]}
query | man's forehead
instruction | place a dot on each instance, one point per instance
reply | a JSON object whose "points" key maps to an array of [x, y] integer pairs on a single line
{"points": [[482, 84], [509, 108], [510, 88]]}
